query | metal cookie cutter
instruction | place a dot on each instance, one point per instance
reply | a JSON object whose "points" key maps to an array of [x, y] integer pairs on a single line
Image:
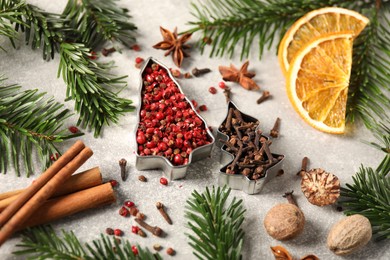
{"points": [[239, 181], [172, 172]]}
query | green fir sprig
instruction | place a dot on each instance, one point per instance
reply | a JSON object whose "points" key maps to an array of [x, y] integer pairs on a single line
{"points": [[216, 224], [91, 85], [29, 122], [9, 13], [83, 26], [236, 25], [42, 242], [369, 195], [97, 22]]}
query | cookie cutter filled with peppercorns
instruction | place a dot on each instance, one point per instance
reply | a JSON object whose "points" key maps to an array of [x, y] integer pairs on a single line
{"points": [[246, 156], [170, 134]]}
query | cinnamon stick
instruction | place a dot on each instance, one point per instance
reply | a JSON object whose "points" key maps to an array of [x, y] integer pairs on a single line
{"points": [[38, 199], [70, 204], [76, 182], [41, 181]]}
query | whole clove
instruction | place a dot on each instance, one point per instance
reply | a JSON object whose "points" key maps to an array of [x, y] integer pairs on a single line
{"points": [[275, 130], [122, 165], [154, 230], [227, 92], [165, 215], [264, 96], [198, 72], [305, 160], [105, 51]]}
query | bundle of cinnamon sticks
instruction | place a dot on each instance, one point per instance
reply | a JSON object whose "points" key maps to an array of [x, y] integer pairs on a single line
{"points": [[55, 194]]}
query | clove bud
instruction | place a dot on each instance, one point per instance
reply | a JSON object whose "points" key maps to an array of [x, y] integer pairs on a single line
{"points": [[198, 72]]}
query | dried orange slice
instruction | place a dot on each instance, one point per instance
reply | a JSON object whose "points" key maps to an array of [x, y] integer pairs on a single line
{"points": [[314, 24], [318, 79]]}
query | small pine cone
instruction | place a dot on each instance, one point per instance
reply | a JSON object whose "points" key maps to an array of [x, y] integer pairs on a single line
{"points": [[320, 187]]}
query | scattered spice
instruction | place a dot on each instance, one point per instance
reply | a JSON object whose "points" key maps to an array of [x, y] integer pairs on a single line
{"points": [[280, 172], [157, 247], [266, 94], [105, 51], [187, 75], [176, 73], [118, 232], [142, 178], [194, 103], [73, 129], [124, 212], [339, 208], [109, 231], [134, 249], [129, 203], [203, 108], [139, 60], [140, 215], [207, 40], [93, 55], [213, 90], [275, 130], [199, 72], [163, 181], [173, 44], [227, 92], [114, 183], [141, 233], [165, 215], [305, 161], [134, 229], [321, 188], [170, 251], [122, 165], [285, 220], [154, 230], [136, 47], [242, 76], [222, 85], [54, 157], [281, 253], [133, 211]]}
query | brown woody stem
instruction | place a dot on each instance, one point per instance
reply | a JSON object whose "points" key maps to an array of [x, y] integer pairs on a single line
{"points": [[290, 198]]}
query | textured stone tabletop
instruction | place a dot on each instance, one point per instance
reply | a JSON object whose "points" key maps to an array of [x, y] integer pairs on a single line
{"points": [[341, 155]]}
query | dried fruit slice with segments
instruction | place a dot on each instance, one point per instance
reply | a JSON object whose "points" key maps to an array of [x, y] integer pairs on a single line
{"points": [[314, 24]]}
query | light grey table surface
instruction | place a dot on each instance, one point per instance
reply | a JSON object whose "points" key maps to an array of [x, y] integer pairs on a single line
{"points": [[341, 155]]}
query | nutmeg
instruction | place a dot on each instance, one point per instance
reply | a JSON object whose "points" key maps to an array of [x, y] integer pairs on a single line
{"points": [[349, 235], [284, 221]]}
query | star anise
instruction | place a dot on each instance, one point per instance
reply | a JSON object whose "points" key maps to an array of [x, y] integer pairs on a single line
{"points": [[242, 76], [173, 44]]}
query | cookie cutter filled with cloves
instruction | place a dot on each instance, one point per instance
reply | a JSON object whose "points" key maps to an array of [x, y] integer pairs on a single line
{"points": [[170, 134], [246, 157]]}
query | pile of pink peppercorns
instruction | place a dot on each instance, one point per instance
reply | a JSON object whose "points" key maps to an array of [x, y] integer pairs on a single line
{"points": [[168, 125]]}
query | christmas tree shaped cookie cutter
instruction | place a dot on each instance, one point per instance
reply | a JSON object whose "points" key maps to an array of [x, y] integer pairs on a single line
{"points": [[239, 175], [149, 162]]}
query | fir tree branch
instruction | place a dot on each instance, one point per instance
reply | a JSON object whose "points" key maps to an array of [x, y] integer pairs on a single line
{"points": [[369, 89], [9, 13], [42, 30], [369, 195], [90, 84], [216, 224], [99, 21], [230, 22], [43, 243], [29, 122]]}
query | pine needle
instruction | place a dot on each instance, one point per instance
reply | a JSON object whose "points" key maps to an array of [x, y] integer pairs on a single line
{"points": [[42, 242], [216, 224], [369, 195], [29, 122], [90, 84]]}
